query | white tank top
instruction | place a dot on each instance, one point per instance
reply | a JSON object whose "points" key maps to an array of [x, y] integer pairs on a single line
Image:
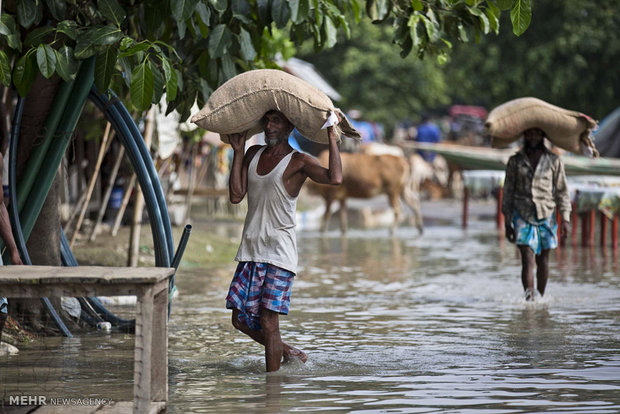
{"points": [[269, 229]]}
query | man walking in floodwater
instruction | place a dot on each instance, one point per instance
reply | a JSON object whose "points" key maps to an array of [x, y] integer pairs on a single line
{"points": [[535, 185], [272, 177]]}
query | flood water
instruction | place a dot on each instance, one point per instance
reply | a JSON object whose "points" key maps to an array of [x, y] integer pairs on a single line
{"points": [[403, 324]]}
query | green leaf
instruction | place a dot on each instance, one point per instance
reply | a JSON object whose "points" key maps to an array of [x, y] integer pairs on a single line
{"points": [[105, 35], [8, 27], [155, 13], [432, 30], [280, 13], [104, 68], [241, 7], [158, 83], [5, 69], [203, 13], [126, 65], [331, 33], [294, 6], [377, 10], [68, 27], [417, 5], [182, 9], [138, 47], [141, 86], [493, 18], [247, 48], [505, 4], [46, 59], [219, 41], [264, 13], [57, 8], [484, 21], [37, 36], [303, 10], [26, 12], [24, 73], [220, 5], [181, 29], [84, 47], [205, 89], [38, 13], [414, 19], [171, 86], [228, 67], [66, 65], [521, 15], [112, 11]]}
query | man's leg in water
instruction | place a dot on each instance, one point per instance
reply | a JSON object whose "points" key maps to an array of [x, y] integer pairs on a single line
{"points": [[542, 270], [270, 326], [527, 271], [289, 351]]}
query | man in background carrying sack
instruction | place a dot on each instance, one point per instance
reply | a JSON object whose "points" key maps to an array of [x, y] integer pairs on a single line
{"points": [[534, 186], [271, 176]]}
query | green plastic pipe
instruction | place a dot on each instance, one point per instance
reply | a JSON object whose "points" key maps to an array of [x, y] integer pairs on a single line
{"points": [[56, 152], [31, 171]]}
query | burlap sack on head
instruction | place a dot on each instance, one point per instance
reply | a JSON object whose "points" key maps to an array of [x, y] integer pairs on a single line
{"points": [[240, 103], [566, 129]]}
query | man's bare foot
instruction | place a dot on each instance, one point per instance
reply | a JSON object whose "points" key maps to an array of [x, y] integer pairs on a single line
{"points": [[292, 353]]}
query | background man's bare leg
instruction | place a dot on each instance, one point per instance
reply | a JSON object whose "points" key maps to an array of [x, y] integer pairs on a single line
{"points": [[542, 271], [527, 271]]}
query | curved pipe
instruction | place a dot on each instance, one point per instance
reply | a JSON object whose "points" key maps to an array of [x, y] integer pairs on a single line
{"points": [[14, 216], [150, 168], [162, 256]]}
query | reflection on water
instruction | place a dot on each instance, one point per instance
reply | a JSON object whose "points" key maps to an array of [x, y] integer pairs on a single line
{"points": [[407, 324]]}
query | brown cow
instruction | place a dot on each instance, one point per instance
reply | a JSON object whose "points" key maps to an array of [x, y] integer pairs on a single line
{"points": [[366, 176]]}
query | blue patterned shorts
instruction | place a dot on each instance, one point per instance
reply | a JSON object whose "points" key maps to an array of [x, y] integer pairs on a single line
{"points": [[259, 285], [540, 235], [3, 305]]}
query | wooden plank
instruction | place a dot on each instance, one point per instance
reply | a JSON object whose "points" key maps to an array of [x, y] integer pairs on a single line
{"points": [[83, 274], [159, 353], [21, 290], [143, 355]]}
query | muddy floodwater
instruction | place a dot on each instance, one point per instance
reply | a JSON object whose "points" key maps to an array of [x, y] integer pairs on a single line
{"points": [[403, 324]]}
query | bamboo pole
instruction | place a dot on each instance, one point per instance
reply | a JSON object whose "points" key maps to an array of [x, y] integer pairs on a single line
{"points": [[192, 182], [106, 197], [136, 226], [121, 211], [91, 186]]}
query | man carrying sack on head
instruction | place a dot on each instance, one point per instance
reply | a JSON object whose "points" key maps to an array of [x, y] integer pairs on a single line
{"points": [[534, 186], [271, 176]]}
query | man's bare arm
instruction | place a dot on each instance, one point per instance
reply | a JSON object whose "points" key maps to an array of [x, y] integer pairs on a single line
{"points": [[238, 179], [331, 175]]}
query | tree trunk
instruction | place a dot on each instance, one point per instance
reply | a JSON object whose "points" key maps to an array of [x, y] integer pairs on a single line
{"points": [[44, 242]]}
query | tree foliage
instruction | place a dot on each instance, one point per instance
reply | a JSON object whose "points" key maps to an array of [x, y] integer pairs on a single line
{"points": [[371, 77], [569, 59], [187, 48]]}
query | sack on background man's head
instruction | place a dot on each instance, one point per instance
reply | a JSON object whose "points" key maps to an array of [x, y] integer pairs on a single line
{"points": [[569, 130]]}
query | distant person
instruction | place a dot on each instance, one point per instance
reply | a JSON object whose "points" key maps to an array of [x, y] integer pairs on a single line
{"points": [[535, 185], [7, 235], [366, 129], [429, 132], [271, 176]]}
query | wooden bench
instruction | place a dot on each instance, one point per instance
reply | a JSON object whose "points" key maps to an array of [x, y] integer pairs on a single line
{"points": [[148, 284]]}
